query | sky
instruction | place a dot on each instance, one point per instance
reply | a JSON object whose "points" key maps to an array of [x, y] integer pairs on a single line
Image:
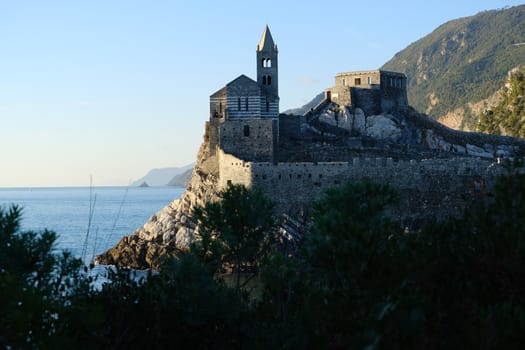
{"points": [[106, 90]]}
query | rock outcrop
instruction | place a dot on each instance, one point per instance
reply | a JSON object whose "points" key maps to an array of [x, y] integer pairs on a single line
{"points": [[171, 230]]}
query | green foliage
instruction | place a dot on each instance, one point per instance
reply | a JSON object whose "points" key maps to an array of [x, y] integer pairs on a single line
{"points": [[345, 253], [331, 293], [464, 60], [35, 284], [508, 117], [358, 281], [236, 230], [180, 305]]}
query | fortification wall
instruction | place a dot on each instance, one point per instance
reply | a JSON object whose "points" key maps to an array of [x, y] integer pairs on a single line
{"points": [[428, 188], [233, 170], [369, 100]]}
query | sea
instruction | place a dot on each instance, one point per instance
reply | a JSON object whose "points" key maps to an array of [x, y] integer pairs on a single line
{"points": [[88, 220]]}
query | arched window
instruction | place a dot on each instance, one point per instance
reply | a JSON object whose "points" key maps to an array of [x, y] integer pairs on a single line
{"points": [[269, 80], [268, 63], [264, 80]]}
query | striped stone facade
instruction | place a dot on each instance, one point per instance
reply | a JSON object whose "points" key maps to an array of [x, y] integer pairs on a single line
{"points": [[242, 98]]}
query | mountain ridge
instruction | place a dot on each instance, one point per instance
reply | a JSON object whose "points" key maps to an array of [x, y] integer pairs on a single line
{"points": [[161, 176], [463, 61]]}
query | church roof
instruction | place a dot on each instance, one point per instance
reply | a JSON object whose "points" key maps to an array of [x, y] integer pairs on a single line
{"points": [[241, 79], [266, 42]]}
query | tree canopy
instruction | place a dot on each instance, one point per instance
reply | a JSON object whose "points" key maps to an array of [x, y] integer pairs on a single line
{"points": [[358, 280], [508, 117]]}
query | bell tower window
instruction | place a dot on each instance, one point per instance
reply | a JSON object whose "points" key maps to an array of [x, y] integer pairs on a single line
{"points": [[267, 63], [267, 80]]}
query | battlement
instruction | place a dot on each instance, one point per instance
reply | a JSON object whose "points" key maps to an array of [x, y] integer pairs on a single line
{"points": [[427, 187]]}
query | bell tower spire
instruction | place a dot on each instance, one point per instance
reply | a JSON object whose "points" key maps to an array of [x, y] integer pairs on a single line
{"points": [[267, 73]]}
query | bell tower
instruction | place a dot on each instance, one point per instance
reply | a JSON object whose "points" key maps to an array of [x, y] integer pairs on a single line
{"points": [[267, 76]]}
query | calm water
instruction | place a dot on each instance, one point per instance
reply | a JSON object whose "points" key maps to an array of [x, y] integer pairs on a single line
{"points": [[117, 212]]}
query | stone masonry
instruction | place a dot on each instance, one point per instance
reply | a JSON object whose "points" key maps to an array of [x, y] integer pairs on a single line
{"points": [[364, 129]]}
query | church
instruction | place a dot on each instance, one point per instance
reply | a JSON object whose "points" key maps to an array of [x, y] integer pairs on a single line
{"points": [[244, 114]]}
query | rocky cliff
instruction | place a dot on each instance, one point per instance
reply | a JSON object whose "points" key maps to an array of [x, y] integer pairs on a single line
{"points": [[171, 230]]}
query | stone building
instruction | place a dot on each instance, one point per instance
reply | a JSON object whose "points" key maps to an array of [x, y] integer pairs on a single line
{"points": [[364, 128], [373, 91], [244, 114]]}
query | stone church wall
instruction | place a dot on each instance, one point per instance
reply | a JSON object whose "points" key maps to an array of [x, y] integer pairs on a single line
{"points": [[250, 139]]}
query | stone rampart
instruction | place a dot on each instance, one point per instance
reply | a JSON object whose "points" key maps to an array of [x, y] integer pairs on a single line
{"points": [[233, 170], [428, 188]]}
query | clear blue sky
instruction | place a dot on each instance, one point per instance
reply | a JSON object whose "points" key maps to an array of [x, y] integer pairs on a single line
{"points": [[111, 89]]}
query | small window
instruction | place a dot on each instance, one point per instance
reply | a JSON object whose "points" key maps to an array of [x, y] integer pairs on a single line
{"points": [[357, 81], [246, 130], [220, 107], [344, 82], [267, 105], [370, 80], [264, 80], [269, 80]]}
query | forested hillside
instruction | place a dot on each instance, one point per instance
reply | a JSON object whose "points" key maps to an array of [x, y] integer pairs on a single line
{"points": [[462, 62]]}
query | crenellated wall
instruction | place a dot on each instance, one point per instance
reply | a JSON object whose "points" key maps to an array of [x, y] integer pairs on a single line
{"points": [[428, 188]]}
